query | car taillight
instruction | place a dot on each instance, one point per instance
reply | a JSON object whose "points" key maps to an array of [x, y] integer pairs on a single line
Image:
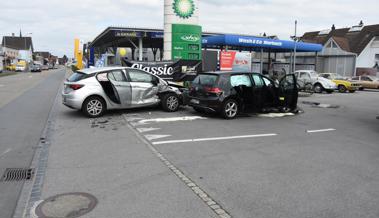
{"points": [[75, 86], [214, 90]]}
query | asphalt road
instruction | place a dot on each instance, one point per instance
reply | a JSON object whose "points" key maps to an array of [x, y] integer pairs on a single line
{"points": [[21, 123]]}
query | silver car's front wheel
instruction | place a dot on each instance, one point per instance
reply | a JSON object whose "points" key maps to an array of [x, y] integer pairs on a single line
{"points": [[170, 102], [94, 106]]}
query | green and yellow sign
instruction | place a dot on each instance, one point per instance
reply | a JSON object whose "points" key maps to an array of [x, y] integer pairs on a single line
{"points": [[186, 42]]}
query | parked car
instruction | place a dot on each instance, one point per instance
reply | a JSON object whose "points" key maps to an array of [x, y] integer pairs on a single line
{"points": [[367, 82], [20, 68], [35, 68], [11, 67], [229, 93], [343, 85], [96, 90], [319, 83]]}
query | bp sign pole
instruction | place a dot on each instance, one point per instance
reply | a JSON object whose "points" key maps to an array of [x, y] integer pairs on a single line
{"points": [[182, 35]]}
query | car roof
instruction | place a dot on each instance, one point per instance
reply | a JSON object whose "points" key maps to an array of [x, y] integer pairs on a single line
{"points": [[99, 69]]}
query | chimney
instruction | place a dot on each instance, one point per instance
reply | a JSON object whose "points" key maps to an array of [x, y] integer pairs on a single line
{"points": [[361, 23], [333, 27]]}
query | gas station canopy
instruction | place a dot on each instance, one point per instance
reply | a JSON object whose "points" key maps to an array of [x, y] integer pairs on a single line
{"points": [[249, 43], [153, 38]]}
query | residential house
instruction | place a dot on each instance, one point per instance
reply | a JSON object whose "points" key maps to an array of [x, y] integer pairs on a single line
{"points": [[23, 46], [347, 51]]}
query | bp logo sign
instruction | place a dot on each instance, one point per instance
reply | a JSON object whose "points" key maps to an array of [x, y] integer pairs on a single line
{"points": [[190, 38], [184, 8]]}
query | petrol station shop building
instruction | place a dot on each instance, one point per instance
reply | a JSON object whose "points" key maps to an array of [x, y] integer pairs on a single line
{"points": [[142, 44]]}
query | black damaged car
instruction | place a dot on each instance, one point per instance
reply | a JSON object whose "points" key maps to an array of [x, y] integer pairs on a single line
{"points": [[229, 93]]}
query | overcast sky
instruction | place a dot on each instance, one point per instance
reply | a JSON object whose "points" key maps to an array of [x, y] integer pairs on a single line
{"points": [[54, 24]]}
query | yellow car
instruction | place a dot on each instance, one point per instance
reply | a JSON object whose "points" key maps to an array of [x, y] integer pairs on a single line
{"points": [[343, 84], [11, 67]]}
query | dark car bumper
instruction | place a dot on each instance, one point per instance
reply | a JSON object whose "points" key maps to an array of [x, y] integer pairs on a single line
{"points": [[208, 104]]}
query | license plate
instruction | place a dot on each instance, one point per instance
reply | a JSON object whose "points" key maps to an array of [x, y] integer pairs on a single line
{"points": [[195, 101]]}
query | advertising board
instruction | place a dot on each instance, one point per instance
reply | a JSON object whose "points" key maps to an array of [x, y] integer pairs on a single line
{"points": [[235, 61]]}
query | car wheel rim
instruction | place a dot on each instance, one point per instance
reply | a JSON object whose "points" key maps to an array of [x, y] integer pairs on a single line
{"points": [[94, 107], [318, 89], [231, 109], [172, 102]]}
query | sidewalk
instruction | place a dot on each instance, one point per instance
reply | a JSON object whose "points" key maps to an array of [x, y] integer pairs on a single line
{"points": [[105, 158]]}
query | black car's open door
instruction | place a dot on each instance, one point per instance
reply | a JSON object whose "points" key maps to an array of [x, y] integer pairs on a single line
{"points": [[288, 92]]}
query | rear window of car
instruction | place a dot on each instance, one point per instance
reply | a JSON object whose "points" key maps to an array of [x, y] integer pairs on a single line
{"points": [[77, 76], [206, 79]]}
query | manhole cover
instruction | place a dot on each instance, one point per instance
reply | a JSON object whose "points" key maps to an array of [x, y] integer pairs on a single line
{"points": [[69, 205]]}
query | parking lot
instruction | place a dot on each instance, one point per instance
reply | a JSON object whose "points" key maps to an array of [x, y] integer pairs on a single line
{"points": [[313, 164]]}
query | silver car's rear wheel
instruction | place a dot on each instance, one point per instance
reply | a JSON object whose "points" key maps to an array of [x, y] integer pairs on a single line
{"points": [[93, 106]]}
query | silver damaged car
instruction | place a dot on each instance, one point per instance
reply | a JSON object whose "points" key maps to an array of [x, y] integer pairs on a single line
{"points": [[96, 90]]}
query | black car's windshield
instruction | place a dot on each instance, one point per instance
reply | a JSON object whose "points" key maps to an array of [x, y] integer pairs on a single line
{"points": [[206, 79]]}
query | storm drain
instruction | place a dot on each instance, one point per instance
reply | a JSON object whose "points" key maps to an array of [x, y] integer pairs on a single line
{"points": [[17, 174]]}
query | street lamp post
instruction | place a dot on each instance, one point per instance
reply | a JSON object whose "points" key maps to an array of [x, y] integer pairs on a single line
{"points": [[295, 39]]}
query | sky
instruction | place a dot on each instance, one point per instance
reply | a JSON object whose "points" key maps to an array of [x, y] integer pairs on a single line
{"points": [[54, 24]]}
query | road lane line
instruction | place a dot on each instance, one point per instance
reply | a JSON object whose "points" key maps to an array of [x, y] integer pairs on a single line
{"points": [[154, 137], [170, 119], [5, 152], [213, 139], [142, 130], [320, 130]]}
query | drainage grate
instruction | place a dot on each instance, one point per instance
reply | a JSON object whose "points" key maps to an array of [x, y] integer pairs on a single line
{"points": [[17, 174]]}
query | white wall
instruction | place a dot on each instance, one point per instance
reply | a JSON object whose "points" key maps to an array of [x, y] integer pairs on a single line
{"points": [[367, 58], [25, 55]]}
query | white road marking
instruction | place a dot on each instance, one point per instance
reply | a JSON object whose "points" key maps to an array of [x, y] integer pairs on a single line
{"points": [[213, 139], [320, 130], [6, 151], [274, 115], [131, 119], [153, 137], [205, 197], [142, 130], [170, 119]]}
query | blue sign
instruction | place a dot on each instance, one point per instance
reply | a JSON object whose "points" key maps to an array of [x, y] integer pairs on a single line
{"points": [[259, 43], [156, 35]]}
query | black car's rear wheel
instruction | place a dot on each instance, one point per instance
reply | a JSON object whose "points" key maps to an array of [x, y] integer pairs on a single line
{"points": [[94, 107], [170, 102], [230, 109]]}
